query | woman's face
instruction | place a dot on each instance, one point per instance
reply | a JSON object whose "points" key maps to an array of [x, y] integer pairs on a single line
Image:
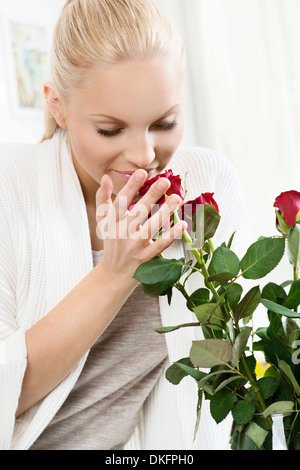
{"points": [[125, 118]]}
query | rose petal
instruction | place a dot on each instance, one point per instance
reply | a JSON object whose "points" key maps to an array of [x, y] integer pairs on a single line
{"points": [[288, 204]]}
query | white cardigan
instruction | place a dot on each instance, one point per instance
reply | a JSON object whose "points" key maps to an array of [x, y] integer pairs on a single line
{"points": [[45, 250]]}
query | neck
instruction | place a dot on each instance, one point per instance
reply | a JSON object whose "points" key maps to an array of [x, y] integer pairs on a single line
{"points": [[88, 185]]}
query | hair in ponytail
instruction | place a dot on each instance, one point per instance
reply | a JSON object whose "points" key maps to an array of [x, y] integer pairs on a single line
{"points": [[95, 34]]}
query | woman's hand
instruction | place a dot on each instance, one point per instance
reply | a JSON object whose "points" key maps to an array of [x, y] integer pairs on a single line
{"points": [[127, 235]]}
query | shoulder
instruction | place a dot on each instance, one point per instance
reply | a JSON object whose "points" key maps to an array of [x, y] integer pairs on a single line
{"points": [[18, 161], [15, 159], [19, 175]]}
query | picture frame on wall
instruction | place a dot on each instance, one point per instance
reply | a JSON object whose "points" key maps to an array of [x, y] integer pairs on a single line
{"points": [[27, 57]]}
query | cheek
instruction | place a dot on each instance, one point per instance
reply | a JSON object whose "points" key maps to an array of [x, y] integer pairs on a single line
{"points": [[89, 149], [168, 146]]}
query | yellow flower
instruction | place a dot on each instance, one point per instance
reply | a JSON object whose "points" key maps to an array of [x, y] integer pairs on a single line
{"points": [[261, 367]]}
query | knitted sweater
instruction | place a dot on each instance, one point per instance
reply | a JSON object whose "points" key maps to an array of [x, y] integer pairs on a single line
{"points": [[45, 251]]}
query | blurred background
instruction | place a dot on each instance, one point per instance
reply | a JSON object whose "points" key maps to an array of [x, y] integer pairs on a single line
{"points": [[242, 88]]}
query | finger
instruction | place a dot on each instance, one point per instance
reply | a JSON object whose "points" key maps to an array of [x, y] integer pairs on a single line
{"points": [[155, 223], [105, 191], [103, 197], [145, 204], [127, 194], [163, 242]]}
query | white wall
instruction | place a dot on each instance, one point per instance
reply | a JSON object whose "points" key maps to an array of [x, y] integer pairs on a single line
{"points": [[243, 79], [36, 12]]}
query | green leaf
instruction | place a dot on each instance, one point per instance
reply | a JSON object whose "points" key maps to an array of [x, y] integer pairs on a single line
{"points": [[262, 333], [280, 309], [205, 379], [211, 313], [248, 304], [291, 332], [221, 277], [273, 292], [211, 221], [190, 370], [221, 404], [243, 412], [224, 261], [256, 433], [160, 270], [175, 373], [293, 245], [240, 344], [275, 350], [154, 290], [230, 240], [262, 257], [210, 353], [268, 386], [284, 393], [275, 325], [272, 372], [247, 443], [293, 298], [208, 216], [287, 371], [200, 296], [226, 382], [234, 294], [199, 407], [279, 407]]}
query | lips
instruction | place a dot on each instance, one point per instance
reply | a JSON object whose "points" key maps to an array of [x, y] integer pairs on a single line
{"points": [[127, 174]]}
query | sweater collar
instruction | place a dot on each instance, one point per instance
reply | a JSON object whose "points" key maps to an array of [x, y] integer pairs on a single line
{"points": [[68, 251]]}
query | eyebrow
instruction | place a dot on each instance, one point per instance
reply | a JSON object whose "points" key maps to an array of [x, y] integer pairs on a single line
{"points": [[120, 120]]}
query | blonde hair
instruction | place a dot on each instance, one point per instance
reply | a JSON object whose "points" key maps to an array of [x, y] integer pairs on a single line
{"points": [[100, 33]]}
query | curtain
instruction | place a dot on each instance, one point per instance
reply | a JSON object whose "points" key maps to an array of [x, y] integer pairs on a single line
{"points": [[243, 95]]}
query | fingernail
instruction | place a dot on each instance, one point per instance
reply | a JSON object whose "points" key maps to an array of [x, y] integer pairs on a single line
{"points": [[162, 184], [173, 202], [139, 175]]}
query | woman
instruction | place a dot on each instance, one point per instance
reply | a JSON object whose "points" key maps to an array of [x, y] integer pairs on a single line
{"points": [[80, 359]]}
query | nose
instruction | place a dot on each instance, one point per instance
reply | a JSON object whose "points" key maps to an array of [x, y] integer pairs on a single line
{"points": [[140, 151]]}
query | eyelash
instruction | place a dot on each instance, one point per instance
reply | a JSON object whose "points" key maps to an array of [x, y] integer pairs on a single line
{"points": [[167, 127]]}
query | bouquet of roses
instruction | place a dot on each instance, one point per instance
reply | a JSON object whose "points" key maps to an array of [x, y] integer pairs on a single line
{"points": [[223, 364]]}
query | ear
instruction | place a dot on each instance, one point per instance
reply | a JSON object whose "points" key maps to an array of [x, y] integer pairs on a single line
{"points": [[54, 104]]}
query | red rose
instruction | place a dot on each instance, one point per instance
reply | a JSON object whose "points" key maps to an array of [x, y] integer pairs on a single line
{"points": [[175, 187], [288, 205], [187, 209], [204, 198]]}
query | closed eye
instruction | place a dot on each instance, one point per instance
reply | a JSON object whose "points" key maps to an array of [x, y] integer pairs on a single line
{"points": [[162, 127], [166, 127], [107, 133]]}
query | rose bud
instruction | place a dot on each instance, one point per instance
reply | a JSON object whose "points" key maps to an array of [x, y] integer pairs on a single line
{"points": [[187, 210], [288, 205]]}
